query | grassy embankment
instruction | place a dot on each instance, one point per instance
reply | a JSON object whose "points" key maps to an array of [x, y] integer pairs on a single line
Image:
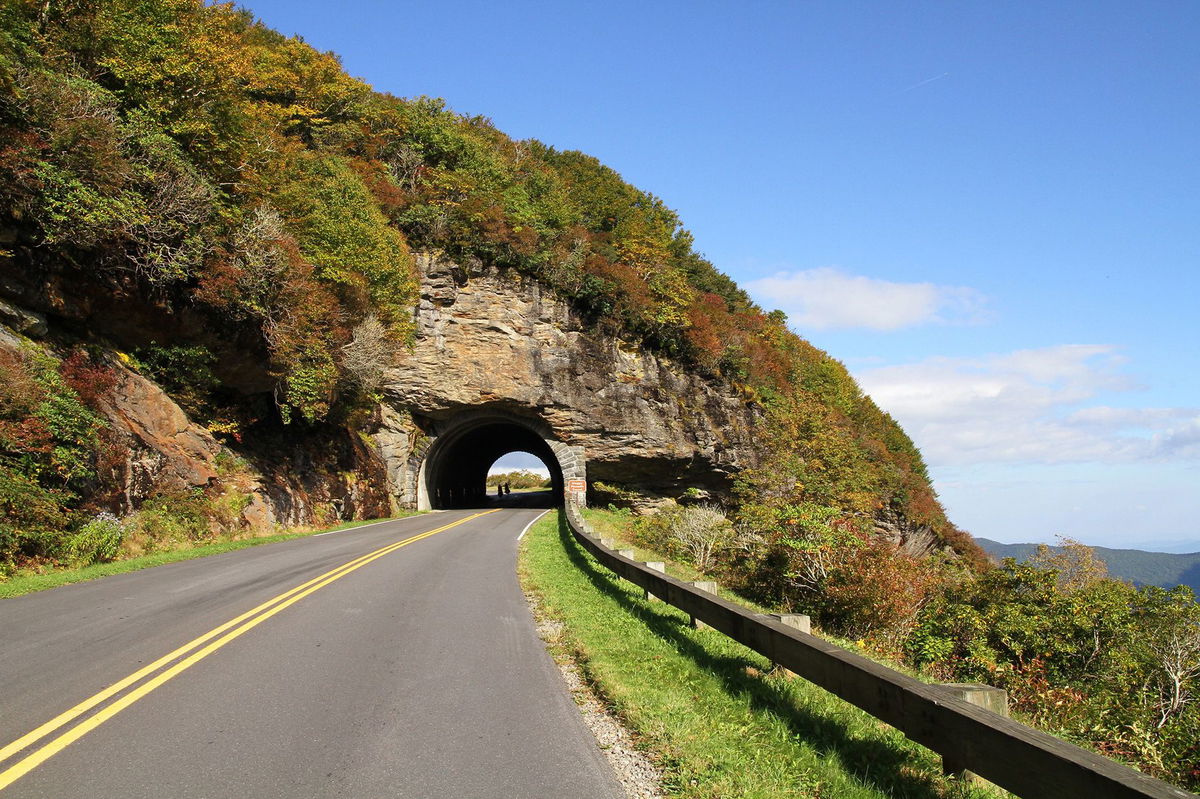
{"points": [[29, 583], [708, 709]]}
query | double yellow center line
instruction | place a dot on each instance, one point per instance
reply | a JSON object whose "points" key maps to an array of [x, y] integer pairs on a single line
{"points": [[198, 651]]}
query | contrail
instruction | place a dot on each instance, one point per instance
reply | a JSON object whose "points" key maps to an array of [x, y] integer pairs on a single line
{"points": [[922, 83]]}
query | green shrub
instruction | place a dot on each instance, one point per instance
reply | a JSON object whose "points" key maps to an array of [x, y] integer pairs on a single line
{"points": [[49, 441], [97, 541], [697, 534], [1092, 659], [167, 521], [186, 373]]}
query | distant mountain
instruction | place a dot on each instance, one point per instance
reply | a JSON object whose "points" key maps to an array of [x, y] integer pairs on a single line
{"points": [[1136, 565]]}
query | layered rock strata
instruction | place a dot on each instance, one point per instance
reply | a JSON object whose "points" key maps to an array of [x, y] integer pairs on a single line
{"points": [[488, 339]]}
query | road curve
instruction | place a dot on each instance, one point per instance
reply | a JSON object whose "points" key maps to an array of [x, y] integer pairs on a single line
{"points": [[416, 674]]}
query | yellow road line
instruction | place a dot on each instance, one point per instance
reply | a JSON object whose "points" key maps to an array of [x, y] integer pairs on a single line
{"points": [[271, 607], [91, 702]]}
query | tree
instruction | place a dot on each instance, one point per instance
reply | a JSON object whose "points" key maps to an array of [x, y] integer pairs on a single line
{"points": [[1170, 622], [1075, 564], [369, 353]]}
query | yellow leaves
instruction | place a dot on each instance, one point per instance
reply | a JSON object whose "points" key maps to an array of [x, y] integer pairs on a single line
{"points": [[641, 255]]}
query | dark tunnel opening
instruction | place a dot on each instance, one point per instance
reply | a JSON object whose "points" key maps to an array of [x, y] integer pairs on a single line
{"points": [[456, 468]]}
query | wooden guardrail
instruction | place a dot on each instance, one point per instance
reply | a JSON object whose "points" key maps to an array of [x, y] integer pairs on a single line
{"points": [[1020, 759]]}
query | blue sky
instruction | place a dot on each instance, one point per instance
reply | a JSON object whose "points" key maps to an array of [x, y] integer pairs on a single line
{"points": [[988, 211]]}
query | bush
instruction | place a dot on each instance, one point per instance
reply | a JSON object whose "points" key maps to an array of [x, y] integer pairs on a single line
{"points": [[168, 521], [185, 373], [1091, 658], [699, 534], [97, 541], [876, 592], [49, 442]]}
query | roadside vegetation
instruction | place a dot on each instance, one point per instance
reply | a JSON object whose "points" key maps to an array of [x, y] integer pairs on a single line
{"points": [[58, 459], [709, 711], [27, 582], [1094, 660]]}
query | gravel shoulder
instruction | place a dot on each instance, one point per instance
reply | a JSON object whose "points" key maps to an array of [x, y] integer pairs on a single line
{"points": [[636, 772]]}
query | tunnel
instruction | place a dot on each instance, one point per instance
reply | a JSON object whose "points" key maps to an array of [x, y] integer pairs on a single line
{"points": [[455, 468]]}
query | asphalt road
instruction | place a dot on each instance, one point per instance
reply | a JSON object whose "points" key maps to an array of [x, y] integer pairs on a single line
{"points": [[417, 674]]}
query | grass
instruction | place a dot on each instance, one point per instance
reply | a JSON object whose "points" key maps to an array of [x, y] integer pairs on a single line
{"points": [[29, 583], [708, 709]]}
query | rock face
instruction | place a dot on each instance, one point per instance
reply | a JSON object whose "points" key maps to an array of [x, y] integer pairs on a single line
{"points": [[492, 340], [22, 321], [913, 539], [498, 363], [165, 451], [153, 449]]}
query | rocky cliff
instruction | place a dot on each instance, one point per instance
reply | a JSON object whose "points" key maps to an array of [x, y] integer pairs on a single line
{"points": [[148, 448], [488, 339]]}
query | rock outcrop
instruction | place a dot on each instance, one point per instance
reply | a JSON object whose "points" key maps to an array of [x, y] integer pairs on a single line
{"points": [[493, 339], [913, 539], [165, 451]]}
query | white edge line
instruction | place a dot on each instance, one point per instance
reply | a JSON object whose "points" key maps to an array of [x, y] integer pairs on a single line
{"points": [[532, 523]]}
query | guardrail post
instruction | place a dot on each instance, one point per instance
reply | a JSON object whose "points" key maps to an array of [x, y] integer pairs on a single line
{"points": [[986, 697], [625, 553], [798, 621], [658, 566], [710, 587], [607, 543]]}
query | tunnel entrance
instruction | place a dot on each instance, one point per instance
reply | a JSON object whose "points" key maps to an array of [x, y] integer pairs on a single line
{"points": [[454, 471]]}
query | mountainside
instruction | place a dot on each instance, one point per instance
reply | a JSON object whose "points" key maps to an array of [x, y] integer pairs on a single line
{"points": [[1135, 565], [223, 211]]}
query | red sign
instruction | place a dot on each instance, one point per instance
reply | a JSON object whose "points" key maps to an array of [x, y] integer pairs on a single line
{"points": [[577, 485]]}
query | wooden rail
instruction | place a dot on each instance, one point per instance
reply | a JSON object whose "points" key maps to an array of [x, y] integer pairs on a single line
{"points": [[1020, 759]]}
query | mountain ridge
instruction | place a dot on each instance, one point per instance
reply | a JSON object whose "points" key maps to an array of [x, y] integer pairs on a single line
{"points": [[1139, 566]]}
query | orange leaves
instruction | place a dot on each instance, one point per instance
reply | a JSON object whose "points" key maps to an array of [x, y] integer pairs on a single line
{"points": [[877, 591], [89, 379], [374, 175], [495, 227]]}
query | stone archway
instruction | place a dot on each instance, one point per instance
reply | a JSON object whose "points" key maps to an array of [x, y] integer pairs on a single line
{"points": [[449, 467]]}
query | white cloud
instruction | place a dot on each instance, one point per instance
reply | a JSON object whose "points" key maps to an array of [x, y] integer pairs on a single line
{"points": [[827, 298], [1032, 406]]}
